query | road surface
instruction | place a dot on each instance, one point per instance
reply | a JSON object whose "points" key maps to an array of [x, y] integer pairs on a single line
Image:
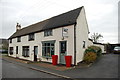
{"points": [[10, 70]]}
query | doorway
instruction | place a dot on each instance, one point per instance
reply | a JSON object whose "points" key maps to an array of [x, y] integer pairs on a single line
{"points": [[16, 51], [35, 52], [63, 51]]}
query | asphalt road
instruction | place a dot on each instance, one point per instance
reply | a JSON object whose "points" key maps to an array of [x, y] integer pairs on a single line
{"points": [[106, 67], [10, 70]]}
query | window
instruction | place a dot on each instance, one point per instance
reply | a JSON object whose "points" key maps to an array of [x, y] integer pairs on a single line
{"points": [[48, 32], [10, 40], [18, 39], [25, 51], [16, 49], [48, 48], [31, 37], [83, 44], [11, 50]]}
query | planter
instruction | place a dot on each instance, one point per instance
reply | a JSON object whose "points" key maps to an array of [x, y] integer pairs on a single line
{"points": [[68, 60], [54, 59]]}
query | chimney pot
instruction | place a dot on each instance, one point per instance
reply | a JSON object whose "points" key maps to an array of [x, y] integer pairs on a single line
{"points": [[18, 27]]}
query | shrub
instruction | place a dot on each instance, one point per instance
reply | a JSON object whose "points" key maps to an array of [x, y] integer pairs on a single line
{"points": [[89, 50], [96, 49], [91, 54], [90, 57]]}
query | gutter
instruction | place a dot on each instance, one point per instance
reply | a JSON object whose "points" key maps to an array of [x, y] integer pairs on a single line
{"points": [[75, 44]]}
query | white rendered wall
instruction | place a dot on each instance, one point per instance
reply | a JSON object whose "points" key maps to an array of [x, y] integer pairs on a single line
{"points": [[101, 46], [39, 37], [81, 35]]}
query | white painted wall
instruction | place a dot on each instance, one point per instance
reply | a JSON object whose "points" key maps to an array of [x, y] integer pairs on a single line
{"points": [[90, 43], [81, 35], [39, 37], [101, 46]]}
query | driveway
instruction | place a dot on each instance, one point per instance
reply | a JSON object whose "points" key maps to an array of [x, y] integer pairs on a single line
{"points": [[106, 67]]}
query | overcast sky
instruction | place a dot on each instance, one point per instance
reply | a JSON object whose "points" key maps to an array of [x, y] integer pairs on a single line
{"points": [[102, 15]]}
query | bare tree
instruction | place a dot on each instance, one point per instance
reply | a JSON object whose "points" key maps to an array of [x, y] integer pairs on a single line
{"points": [[96, 36]]}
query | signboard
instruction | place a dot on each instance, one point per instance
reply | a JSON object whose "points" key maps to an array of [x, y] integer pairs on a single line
{"points": [[65, 32]]}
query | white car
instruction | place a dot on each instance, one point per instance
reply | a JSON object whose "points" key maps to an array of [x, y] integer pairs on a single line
{"points": [[116, 49]]}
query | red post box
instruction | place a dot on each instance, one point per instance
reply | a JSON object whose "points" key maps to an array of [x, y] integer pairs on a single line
{"points": [[54, 59], [68, 60]]}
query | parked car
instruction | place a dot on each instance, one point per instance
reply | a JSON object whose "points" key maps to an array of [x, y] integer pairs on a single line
{"points": [[117, 49], [3, 51]]}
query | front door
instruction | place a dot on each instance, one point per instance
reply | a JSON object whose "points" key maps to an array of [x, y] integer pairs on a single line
{"points": [[63, 51], [16, 51], [35, 52]]}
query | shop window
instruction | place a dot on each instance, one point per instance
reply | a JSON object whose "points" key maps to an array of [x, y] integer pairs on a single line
{"points": [[48, 48]]}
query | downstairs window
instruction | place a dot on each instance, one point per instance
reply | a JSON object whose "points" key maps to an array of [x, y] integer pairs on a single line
{"points": [[11, 50], [25, 51], [48, 48]]}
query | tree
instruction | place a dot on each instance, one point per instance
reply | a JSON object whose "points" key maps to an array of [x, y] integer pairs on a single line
{"points": [[96, 36]]}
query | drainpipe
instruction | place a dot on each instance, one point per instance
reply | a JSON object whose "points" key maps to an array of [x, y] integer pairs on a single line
{"points": [[75, 44]]}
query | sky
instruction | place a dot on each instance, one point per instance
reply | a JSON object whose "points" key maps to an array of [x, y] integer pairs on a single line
{"points": [[102, 15]]}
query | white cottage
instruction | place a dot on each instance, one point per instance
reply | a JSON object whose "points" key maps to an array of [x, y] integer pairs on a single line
{"points": [[65, 34]]}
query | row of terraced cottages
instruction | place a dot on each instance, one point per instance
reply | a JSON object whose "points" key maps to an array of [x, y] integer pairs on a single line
{"points": [[65, 34]]}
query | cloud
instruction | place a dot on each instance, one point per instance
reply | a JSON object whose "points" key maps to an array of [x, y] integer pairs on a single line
{"points": [[101, 15]]}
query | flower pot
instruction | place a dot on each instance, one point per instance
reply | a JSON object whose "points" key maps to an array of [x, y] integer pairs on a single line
{"points": [[54, 59], [68, 60]]}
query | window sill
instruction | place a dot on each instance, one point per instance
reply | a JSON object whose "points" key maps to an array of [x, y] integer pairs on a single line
{"points": [[25, 56], [47, 35], [47, 57], [31, 40]]}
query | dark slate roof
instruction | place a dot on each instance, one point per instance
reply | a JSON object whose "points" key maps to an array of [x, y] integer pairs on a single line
{"points": [[90, 39], [61, 20], [98, 43]]}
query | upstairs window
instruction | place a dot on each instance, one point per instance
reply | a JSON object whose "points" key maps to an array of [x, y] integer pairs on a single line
{"points": [[48, 32], [10, 40], [18, 39], [83, 44], [31, 37]]}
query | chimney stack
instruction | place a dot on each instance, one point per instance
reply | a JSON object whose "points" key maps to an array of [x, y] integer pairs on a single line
{"points": [[18, 27]]}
